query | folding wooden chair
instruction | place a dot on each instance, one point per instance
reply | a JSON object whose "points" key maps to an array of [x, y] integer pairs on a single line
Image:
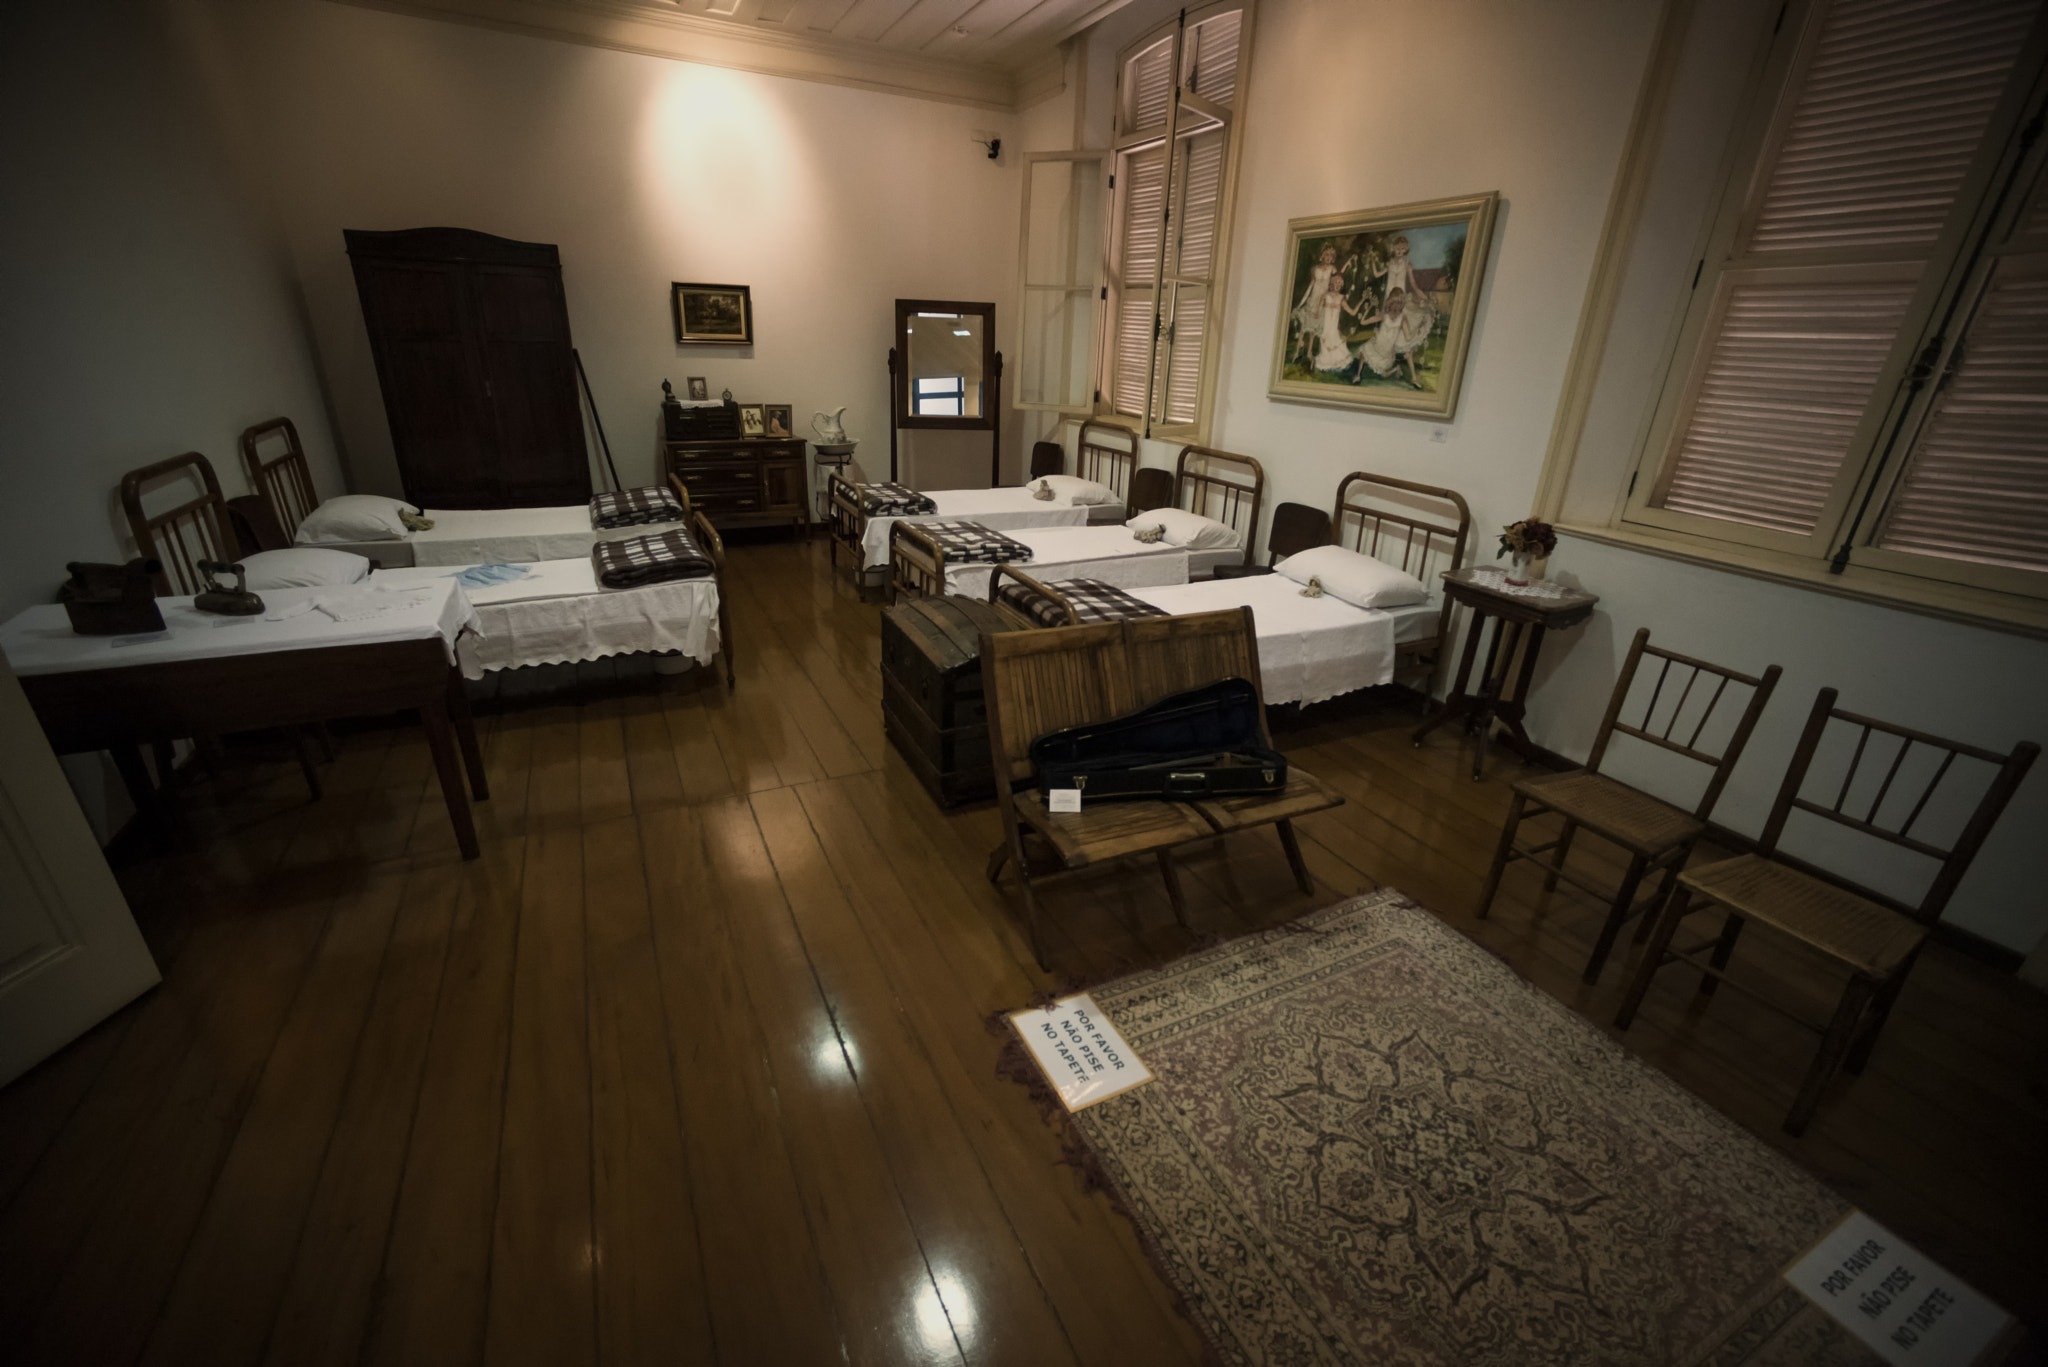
{"points": [[1874, 937], [1041, 681], [1296, 527], [1657, 836]]}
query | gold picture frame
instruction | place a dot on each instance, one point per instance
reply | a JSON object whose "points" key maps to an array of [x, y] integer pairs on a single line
{"points": [[1377, 307], [753, 421], [712, 315]]}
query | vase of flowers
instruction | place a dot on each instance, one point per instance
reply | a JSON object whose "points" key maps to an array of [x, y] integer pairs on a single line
{"points": [[1527, 541]]}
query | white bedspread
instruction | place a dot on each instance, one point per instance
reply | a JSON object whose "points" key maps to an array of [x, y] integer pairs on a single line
{"points": [[481, 536], [1110, 554], [39, 640], [559, 614], [1309, 648], [999, 510]]}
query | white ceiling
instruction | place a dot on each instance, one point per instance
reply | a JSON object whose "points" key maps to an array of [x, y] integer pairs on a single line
{"points": [[998, 53]]}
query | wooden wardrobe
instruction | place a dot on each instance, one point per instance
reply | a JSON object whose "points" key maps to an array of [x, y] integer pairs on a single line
{"points": [[470, 334]]}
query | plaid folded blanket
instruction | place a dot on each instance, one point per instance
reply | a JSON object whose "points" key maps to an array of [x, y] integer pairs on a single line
{"points": [[971, 543], [1093, 600], [649, 560], [893, 500], [635, 508]]}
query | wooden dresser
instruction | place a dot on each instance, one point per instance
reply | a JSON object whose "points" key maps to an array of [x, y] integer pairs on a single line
{"points": [[744, 481]]}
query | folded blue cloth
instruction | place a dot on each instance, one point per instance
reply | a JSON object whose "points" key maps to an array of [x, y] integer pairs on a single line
{"points": [[484, 576]]}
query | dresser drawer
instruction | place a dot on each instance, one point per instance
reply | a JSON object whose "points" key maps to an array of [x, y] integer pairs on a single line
{"points": [[711, 480]]}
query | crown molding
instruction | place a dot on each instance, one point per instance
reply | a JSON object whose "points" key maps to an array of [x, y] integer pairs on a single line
{"points": [[663, 32]]}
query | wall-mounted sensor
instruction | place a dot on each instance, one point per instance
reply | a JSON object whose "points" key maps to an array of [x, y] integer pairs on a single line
{"points": [[995, 148]]}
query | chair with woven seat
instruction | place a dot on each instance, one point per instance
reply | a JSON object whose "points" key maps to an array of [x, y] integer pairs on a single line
{"points": [[1041, 681], [1657, 837], [1296, 527], [1047, 458], [1874, 937]]}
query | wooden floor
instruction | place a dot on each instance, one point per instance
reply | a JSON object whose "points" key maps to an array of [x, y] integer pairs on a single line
{"points": [[691, 1066]]}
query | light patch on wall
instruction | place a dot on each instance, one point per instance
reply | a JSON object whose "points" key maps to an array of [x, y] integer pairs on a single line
{"points": [[711, 144]]}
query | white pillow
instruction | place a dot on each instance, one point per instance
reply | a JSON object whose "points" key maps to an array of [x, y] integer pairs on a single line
{"points": [[1184, 528], [1079, 493], [1358, 579], [303, 567], [354, 517]]}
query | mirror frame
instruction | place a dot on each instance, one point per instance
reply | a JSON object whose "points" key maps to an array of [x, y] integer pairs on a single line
{"points": [[991, 371]]}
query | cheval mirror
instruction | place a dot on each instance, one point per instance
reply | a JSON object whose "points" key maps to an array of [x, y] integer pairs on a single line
{"points": [[945, 373]]}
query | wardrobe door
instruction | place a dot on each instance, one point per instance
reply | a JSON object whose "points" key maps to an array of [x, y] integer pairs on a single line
{"points": [[427, 365], [530, 384]]}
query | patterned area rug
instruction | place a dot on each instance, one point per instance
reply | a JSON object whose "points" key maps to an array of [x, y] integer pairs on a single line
{"points": [[1369, 1142]]}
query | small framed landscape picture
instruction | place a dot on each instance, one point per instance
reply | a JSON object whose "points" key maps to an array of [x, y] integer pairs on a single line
{"points": [[752, 421], [779, 419], [1377, 306], [700, 388], [715, 315]]}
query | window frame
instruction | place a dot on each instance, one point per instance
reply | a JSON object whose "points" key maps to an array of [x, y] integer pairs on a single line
{"points": [[1169, 133], [1949, 275]]}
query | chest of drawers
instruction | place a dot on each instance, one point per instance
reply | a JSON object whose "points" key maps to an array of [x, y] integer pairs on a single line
{"points": [[744, 481]]}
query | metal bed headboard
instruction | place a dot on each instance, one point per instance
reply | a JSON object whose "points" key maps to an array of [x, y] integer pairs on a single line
{"points": [[1222, 485], [284, 481], [1107, 454], [1426, 545], [195, 530]]}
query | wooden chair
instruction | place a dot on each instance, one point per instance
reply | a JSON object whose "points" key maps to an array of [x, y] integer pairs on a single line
{"points": [[714, 546], [1296, 527], [1151, 487], [1657, 836], [1047, 458], [1874, 937], [1041, 681]]}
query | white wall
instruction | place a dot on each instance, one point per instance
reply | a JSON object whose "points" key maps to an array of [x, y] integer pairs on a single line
{"points": [[148, 309], [829, 202]]}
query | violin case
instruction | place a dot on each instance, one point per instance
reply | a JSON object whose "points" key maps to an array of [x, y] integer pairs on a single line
{"points": [[1205, 743]]}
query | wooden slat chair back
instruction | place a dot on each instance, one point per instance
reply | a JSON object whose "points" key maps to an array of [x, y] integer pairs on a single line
{"points": [[1296, 528], [714, 547], [1108, 455], [1373, 516], [180, 537], [1873, 936], [1657, 837], [283, 479], [1041, 681], [1047, 458]]}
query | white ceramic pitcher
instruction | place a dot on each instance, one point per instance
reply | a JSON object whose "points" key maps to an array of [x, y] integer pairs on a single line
{"points": [[828, 425]]}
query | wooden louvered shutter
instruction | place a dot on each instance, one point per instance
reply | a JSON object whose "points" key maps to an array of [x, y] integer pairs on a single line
{"points": [[1189, 276], [1976, 488], [1141, 181], [1858, 182], [1209, 64]]}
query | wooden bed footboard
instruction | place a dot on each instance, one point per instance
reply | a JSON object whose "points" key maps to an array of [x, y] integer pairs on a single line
{"points": [[917, 563]]}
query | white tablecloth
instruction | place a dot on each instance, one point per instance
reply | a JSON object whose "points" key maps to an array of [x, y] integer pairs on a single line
{"points": [[39, 640], [559, 614], [999, 510], [1309, 648], [476, 536], [1110, 554]]}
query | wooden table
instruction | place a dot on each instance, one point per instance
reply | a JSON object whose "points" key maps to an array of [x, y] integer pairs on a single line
{"points": [[1500, 698], [119, 708]]}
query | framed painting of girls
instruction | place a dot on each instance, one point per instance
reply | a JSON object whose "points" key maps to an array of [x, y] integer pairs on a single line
{"points": [[1376, 310]]}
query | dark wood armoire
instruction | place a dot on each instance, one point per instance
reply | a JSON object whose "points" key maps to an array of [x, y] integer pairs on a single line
{"points": [[470, 334]]}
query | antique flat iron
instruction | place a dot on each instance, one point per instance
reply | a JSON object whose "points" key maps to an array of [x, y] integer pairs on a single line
{"points": [[112, 600], [227, 602]]}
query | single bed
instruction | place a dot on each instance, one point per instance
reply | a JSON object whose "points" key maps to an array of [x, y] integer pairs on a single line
{"points": [[278, 472], [1310, 649], [1215, 484], [1104, 454]]}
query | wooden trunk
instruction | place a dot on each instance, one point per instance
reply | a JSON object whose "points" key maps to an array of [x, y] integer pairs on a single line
{"points": [[933, 710]]}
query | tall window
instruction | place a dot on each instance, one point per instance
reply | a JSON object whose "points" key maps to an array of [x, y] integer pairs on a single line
{"points": [[1178, 89], [1863, 367]]}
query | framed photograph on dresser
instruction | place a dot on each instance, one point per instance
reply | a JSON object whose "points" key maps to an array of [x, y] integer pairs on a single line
{"points": [[753, 422], [780, 418]]}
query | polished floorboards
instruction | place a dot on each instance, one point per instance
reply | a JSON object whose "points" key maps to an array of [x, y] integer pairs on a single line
{"points": [[693, 1066]]}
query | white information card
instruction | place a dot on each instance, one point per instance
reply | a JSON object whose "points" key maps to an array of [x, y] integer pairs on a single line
{"points": [[1079, 1051], [1907, 1307]]}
